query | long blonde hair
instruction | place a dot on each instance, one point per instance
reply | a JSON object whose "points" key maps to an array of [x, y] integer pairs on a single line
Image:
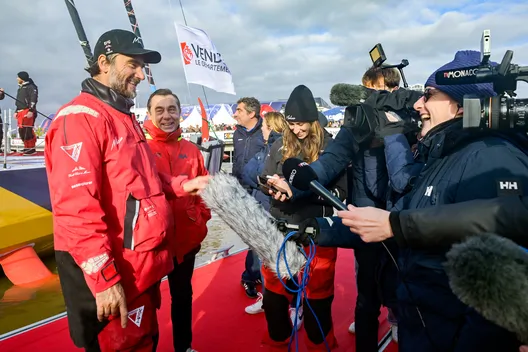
{"points": [[308, 148], [276, 121]]}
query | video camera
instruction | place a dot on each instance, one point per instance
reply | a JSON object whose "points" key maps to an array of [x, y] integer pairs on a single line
{"points": [[499, 112], [363, 118]]}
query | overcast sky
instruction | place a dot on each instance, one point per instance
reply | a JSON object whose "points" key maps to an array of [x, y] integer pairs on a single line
{"points": [[270, 46]]}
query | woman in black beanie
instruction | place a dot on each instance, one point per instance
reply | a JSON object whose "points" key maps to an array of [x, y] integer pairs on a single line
{"points": [[305, 139]]}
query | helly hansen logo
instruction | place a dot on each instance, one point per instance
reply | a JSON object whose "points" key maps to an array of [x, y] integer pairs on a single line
{"points": [[182, 156], [508, 185], [428, 191]]}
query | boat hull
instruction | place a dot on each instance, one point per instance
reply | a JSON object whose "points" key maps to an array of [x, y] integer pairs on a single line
{"points": [[25, 211]]}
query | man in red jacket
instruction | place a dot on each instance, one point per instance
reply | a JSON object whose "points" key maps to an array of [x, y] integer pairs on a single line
{"points": [[176, 156], [111, 216]]}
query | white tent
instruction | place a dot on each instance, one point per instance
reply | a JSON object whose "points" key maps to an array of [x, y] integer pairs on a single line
{"points": [[194, 119], [223, 116]]}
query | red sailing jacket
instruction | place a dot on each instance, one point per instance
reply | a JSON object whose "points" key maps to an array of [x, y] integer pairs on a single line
{"points": [[110, 212], [176, 156]]}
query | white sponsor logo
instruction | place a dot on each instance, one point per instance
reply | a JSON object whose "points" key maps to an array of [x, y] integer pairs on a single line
{"points": [[136, 315], [508, 185], [82, 184], [428, 191], [116, 142], [150, 211], [78, 171], [137, 40], [73, 150], [94, 264]]}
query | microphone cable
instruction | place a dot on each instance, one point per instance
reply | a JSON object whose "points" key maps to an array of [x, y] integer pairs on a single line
{"points": [[301, 287]]}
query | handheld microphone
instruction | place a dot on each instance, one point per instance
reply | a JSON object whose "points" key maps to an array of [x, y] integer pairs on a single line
{"points": [[254, 225], [490, 274], [301, 176]]}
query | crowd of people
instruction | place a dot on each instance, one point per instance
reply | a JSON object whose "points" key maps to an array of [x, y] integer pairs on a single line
{"points": [[134, 214]]}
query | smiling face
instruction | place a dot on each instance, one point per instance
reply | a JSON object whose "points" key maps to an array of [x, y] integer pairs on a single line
{"points": [[121, 73], [300, 129], [437, 107], [164, 112]]}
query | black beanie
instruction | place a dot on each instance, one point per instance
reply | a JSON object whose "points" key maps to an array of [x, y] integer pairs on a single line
{"points": [[23, 75], [301, 106]]}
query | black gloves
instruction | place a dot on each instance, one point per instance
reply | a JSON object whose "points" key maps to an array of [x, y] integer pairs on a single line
{"points": [[387, 127], [308, 229]]}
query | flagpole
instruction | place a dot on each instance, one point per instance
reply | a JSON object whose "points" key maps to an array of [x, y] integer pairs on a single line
{"points": [[135, 27], [185, 21], [203, 88]]}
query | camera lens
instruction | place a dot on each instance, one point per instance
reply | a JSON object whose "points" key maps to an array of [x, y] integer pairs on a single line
{"points": [[505, 113]]}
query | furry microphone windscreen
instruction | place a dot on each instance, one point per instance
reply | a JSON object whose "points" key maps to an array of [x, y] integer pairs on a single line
{"points": [[490, 274], [244, 215]]}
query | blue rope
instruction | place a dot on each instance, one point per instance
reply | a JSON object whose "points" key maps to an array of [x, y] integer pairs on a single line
{"points": [[301, 288]]}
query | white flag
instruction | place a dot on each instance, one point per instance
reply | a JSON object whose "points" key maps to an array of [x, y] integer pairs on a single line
{"points": [[202, 63]]}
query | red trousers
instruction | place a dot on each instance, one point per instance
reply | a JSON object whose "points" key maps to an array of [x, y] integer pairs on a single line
{"points": [[25, 128], [141, 331], [319, 294]]}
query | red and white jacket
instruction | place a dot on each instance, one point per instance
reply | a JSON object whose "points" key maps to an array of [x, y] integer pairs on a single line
{"points": [[176, 156], [110, 210]]}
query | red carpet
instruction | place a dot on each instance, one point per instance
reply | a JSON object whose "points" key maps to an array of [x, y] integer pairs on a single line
{"points": [[220, 323]]}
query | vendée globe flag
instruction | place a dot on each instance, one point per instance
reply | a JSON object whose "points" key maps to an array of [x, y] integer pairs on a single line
{"points": [[202, 63]]}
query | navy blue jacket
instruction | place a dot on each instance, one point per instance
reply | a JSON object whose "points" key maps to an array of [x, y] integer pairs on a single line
{"points": [[245, 145], [254, 168], [461, 165], [376, 177]]}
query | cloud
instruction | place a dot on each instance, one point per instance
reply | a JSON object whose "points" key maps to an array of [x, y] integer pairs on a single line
{"points": [[270, 46]]}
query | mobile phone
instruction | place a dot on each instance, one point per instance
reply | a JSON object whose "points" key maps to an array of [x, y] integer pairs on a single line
{"points": [[262, 182]]}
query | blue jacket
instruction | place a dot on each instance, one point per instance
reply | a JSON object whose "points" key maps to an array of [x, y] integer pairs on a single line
{"points": [[461, 165], [377, 177], [254, 168], [245, 145]]}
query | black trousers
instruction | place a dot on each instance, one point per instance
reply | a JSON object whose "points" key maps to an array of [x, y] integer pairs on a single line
{"points": [[181, 301], [368, 303]]}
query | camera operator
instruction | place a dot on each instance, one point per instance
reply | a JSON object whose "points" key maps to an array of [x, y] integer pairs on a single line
{"points": [[368, 183], [461, 165]]}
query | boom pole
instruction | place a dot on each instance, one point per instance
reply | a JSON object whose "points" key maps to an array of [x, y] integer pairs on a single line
{"points": [[83, 40], [135, 28]]}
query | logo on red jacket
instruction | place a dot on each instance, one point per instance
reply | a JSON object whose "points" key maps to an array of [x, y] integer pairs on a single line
{"points": [[73, 151], [136, 315]]}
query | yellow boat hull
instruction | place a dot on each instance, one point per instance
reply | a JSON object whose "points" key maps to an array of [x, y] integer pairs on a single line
{"points": [[25, 211]]}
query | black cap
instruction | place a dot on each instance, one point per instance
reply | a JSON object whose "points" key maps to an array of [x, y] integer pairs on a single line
{"points": [[301, 106], [119, 41], [23, 75]]}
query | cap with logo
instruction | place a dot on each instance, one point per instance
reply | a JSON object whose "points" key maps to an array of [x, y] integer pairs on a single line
{"points": [[119, 41], [301, 106], [463, 58]]}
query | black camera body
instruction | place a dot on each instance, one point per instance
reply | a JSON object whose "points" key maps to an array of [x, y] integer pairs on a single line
{"points": [[501, 112], [363, 118]]}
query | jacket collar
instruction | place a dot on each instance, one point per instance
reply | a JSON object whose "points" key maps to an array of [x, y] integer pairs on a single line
{"points": [[161, 136], [107, 95], [450, 136], [257, 127]]}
